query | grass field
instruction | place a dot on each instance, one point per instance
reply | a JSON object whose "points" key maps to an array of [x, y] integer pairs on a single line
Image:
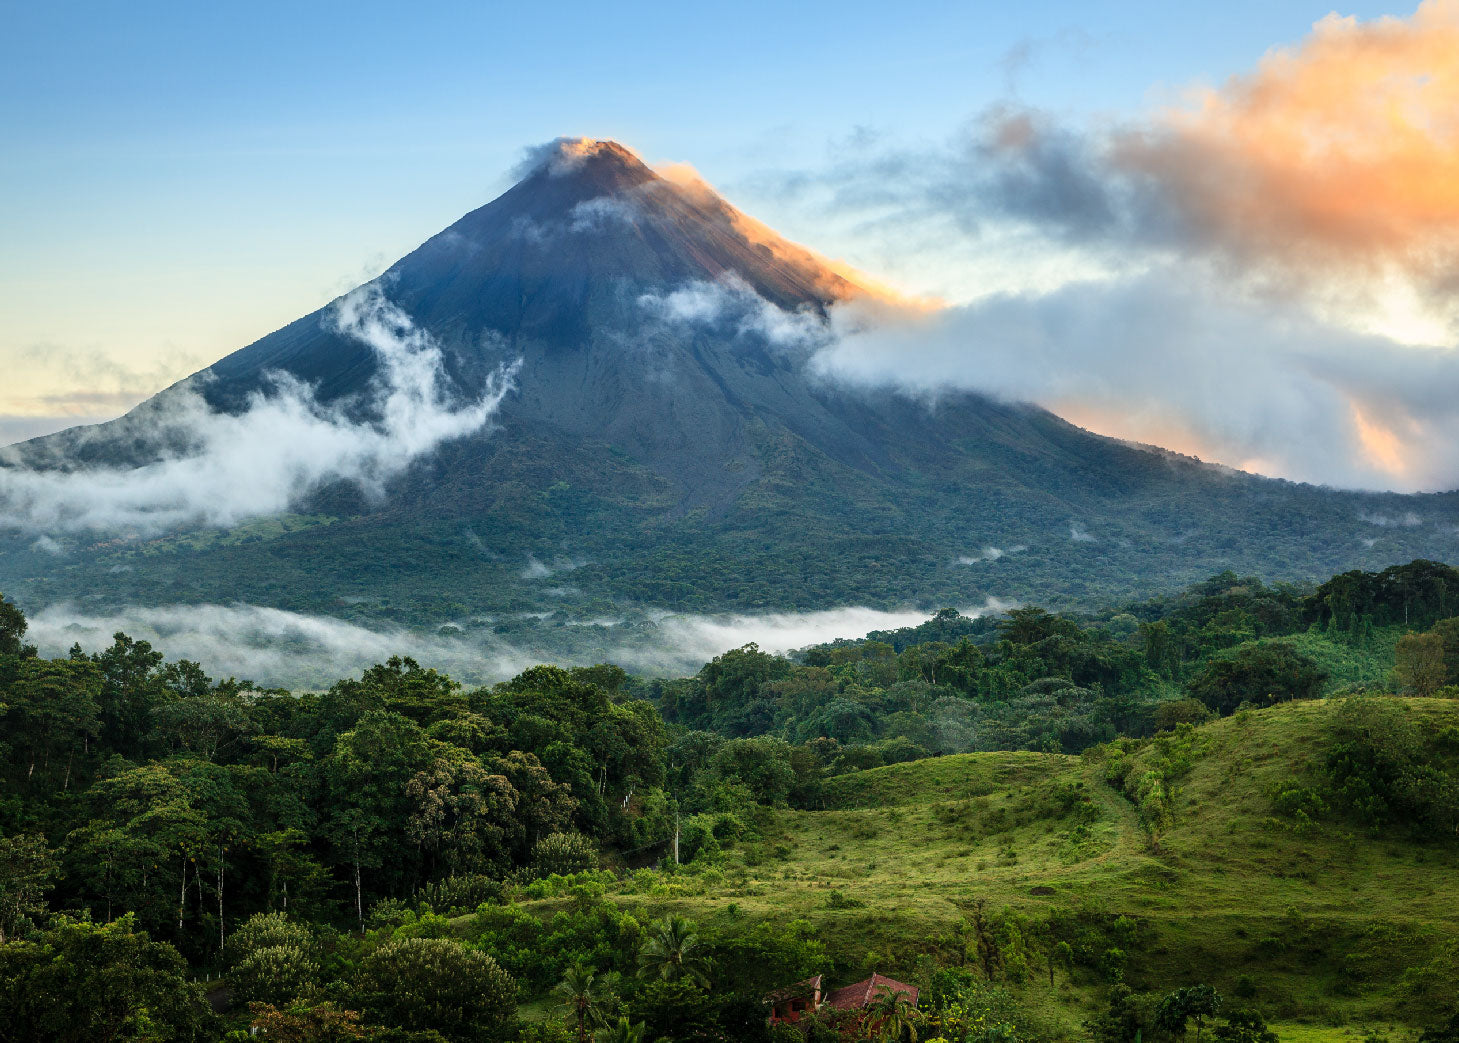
{"points": [[1316, 928]]}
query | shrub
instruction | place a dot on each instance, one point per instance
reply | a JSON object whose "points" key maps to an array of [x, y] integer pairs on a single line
{"points": [[1180, 711], [1378, 768], [269, 930], [275, 974], [1244, 1026], [459, 894], [562, 854], [433, 983], [275, 960], [1303, 804], [319, 1023]]}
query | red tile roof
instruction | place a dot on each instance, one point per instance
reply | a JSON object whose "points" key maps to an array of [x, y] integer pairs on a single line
{"points": [[865, 993]]}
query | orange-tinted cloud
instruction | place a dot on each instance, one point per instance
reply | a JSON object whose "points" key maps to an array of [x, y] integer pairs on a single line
{"points": [[1343, 149]]}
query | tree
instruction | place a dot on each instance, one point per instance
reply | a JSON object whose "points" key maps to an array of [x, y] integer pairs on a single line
{"points": [[1418, 665], [1161, 654], [890, 1016], [131, 686], [761, 764], [26, 868], [1448, 631], [203, 726], [52, 710], [366, 777], [1175, 712], [461, 815], [587, 997], [304, 1023], [672, 951], [12, 630], [1122, 1020], [434, 983], [1260, 674], [1195, 1003], [1448, 1032], [564, 853], [622, 1031], [1244, 1026], [273, 960], [80, 982], [734, 677], [543, 806], [143, 840]]}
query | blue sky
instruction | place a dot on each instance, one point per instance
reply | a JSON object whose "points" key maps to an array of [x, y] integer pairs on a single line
{"points": [[179, 179]]}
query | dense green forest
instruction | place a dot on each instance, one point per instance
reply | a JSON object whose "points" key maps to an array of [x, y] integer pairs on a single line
{"points": [[1104, 827]]}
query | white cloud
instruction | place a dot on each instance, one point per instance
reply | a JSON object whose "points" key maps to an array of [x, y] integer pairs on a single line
{"points": [[281, 447], [271, 646], [275, 647], [990, 554], [1406, 520], [692, 640], [731, 303], [1174, 358], [592, 215]]}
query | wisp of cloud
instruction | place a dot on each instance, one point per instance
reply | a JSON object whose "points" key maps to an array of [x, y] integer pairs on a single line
{"points": [[282, 446], [273, 646]]}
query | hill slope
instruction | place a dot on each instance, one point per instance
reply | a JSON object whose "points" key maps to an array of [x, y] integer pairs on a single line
{"points": [[1326, 925]]}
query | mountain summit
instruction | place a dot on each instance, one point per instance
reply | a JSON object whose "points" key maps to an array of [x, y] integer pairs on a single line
{"points": [[556, 260], [665, 443]]}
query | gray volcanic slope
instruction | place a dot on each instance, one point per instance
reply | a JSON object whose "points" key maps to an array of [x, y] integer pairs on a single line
{"points": [[694, 464]]}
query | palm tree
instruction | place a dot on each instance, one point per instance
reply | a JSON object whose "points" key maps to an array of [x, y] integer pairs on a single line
{"points": [[622, 1032], [890, 1016], [587, 997], [672, 951]]}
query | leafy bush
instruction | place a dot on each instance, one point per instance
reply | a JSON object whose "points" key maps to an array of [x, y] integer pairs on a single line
{"points": [[1378, 767], [460, 894], [275, 960], [275, 974], [562, 854], [1293, 800], [432, 983]]}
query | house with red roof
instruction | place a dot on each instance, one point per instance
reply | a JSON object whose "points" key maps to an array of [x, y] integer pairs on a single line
{"points": [[790, 1004], [793, 1002]]}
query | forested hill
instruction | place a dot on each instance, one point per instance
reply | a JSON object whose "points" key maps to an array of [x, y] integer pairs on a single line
{"points": [[1263, 809], [667, 447]]}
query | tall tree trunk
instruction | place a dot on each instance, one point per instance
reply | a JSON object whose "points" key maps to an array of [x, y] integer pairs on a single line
{"points": [[220, 901], [359, 900], [181, 895]]}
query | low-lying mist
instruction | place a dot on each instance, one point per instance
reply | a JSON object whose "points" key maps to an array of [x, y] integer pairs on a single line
{"points": [[274, 647]]}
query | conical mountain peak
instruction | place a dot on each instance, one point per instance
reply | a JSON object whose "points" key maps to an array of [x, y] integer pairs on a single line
{"points": [[601, 164]]}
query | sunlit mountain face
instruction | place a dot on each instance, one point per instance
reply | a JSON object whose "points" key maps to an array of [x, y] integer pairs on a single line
{"points": [[604, 393]]}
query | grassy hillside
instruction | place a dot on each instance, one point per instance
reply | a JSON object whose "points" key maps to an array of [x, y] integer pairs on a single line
{"points": [[1325, 926]]}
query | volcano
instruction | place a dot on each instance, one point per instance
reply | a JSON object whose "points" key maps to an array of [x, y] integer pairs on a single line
{"points": [[666, 444]]}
